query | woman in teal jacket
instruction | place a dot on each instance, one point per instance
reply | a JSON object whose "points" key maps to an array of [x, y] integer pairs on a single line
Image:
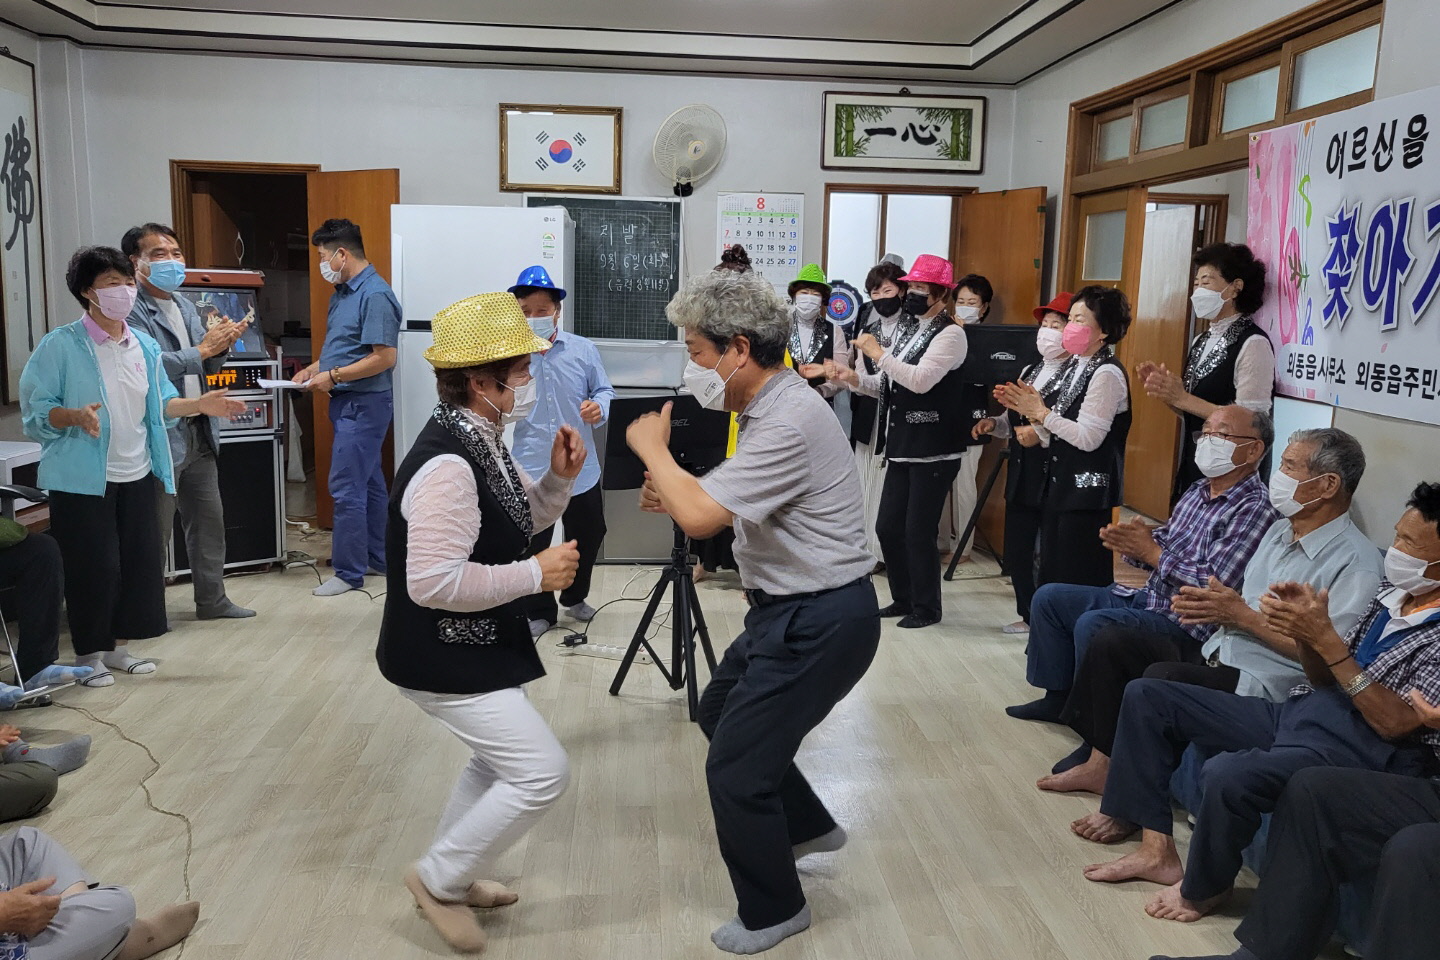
{"points": [[94, 395]]}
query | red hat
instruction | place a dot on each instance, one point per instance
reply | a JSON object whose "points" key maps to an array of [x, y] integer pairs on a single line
{"points": [[929, 268], [1060, 305]]}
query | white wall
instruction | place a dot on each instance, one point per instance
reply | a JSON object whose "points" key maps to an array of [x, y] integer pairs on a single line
{"points": [[438, 124]]}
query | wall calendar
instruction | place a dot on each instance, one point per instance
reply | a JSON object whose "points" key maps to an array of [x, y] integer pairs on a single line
{"points": [[771, 228]]}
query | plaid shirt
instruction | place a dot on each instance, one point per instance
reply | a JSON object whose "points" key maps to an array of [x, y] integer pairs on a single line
{"points": [[1207, 537], [1413, 663]]}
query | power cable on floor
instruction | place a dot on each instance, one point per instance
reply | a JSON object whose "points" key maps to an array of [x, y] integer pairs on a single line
{"points": [[150, 800]]}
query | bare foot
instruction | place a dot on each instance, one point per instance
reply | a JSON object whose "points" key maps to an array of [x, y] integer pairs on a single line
{"points": [[1143, 864], [1099, 828], [1089, 777], [488, 893], [1169, 905], [149, 935]]}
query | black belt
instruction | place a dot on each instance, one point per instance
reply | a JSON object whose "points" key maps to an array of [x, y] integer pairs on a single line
{"points": [[759, 598]]}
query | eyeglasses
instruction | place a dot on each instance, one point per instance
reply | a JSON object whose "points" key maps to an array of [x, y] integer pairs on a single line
{"points": [[1224, 436]]}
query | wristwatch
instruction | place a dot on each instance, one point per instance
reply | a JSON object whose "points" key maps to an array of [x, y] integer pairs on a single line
{"points": [[1357, 684]]}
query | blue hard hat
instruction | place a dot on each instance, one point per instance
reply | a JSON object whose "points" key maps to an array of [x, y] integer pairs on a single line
{"points": [[537, 277]]}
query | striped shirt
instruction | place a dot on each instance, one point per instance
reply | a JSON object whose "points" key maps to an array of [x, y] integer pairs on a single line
{"points": [[1207, 537]]}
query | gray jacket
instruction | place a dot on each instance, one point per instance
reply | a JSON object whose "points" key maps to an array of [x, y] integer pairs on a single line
{"points": [[180, 360]]}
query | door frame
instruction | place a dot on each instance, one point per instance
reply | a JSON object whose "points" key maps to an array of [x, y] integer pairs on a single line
{"points": [[182, 185]]}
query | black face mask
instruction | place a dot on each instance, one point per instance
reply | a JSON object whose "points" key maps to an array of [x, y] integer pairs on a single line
{"points": [[886, 306], [916, 304]]}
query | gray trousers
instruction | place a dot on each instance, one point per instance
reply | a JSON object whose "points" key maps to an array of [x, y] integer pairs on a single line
{"points": [[91, 925], [202, 517], [26, 788]]}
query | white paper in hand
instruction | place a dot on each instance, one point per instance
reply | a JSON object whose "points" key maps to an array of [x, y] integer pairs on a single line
{"points": [[264, 384]]}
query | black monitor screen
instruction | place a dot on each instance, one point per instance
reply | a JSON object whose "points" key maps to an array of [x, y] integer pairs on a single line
{"points": [[220, 304]]}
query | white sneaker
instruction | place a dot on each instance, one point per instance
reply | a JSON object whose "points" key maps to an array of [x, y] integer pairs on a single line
{"points": [[582, 611]]}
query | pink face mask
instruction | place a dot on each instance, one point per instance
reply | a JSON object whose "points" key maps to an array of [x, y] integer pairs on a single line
{"points": [[1077, 338], [116, 302]]}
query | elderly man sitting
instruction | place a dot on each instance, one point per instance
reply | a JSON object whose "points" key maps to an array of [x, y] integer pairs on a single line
{"points": [[1212, 534], [1315, 542], [63, 914], [1354, 712]]}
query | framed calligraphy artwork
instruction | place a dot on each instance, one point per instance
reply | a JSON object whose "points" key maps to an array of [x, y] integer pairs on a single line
{"points": [[903, 132], [22, 269], [559, 149]]}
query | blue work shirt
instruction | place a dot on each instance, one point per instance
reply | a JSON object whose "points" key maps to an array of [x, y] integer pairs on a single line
{"points": [[1336, 557], [363, 314], [567, 374]]}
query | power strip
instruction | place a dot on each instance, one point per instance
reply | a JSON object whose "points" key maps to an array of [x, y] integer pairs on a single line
{"points": [[575, 644]]}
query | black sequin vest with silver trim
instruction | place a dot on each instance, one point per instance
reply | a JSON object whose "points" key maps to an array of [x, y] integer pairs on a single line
{"points": [[440, 651]]}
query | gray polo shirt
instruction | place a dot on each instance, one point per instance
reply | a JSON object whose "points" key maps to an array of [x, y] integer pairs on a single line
{"points": [[795, 493], [1337, 557]]}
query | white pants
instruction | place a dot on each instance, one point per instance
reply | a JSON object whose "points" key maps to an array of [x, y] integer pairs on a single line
{"points": [[872, 481], [960, 504], [519, 769]]}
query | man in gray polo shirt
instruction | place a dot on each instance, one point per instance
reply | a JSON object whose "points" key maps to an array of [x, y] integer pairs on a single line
{"points": [[792, 494]]}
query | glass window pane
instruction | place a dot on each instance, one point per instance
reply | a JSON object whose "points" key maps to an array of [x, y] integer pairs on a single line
{"points": [[1343, 66], [1104, 246], [1250, 100], [1163, 124], [917, 223], [1114, 143], [852, 243]]}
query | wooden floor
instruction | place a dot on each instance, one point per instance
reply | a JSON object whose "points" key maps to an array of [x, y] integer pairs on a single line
{"points": [[312, 786]]}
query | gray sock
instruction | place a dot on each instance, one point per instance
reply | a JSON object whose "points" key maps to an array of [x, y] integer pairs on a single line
{"points": [[734, 937], [825, 843], [68, 756], [332, 588]]}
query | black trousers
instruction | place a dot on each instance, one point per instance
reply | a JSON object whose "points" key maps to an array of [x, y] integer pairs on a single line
{"points": [[1257, 747], [584, 520], [1022, 535], [795, 660], [1118, 654], [114, 581], [906, 523], [1071, 551], [1376, 831], [32, 576]]}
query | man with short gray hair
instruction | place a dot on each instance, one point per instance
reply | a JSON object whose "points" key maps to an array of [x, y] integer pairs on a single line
{"points": [[1314, 541], [792, 494]]}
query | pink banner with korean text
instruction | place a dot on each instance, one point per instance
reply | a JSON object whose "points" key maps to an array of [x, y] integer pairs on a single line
{"points": [[1345, 212]]}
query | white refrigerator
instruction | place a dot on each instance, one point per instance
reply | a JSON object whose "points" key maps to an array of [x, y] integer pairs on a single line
{"points": [[441, 254]]}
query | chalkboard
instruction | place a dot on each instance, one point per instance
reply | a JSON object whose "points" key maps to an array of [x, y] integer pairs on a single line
{"points": [[627, 265]]}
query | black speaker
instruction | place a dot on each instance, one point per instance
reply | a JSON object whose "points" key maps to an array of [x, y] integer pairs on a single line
{"points": [[999, 353], [249, 490]]}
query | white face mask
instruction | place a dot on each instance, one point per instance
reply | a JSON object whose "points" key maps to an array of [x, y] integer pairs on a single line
{"points": [[1408, 573], [327, 272], [807, 306], [1048, 342], [1207, 303], [1215, 456], [967, 314], [525, 400], [1282, 494], [706, 384]]}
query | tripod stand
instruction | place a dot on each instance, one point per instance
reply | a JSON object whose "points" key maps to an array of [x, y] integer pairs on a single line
{"points": [[687, 621], [975, 514]]}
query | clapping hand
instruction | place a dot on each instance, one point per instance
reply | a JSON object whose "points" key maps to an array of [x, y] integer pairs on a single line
{"points": [[1131, 538], [567, 454], [1161, 384], [1023, 398], [1211, 604], [1298, 611], [811, 370]]}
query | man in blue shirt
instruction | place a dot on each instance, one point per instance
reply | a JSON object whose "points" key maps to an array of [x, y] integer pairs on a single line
{"points": [[361, 330], [570, 388]]}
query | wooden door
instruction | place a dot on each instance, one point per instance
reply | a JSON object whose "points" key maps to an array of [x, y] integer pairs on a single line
{"points": [[364, 196], [1158, 334], [1002, 237]]}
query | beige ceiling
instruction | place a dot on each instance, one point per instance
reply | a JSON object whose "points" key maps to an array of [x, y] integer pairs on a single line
{"points": [[961, 41]]}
